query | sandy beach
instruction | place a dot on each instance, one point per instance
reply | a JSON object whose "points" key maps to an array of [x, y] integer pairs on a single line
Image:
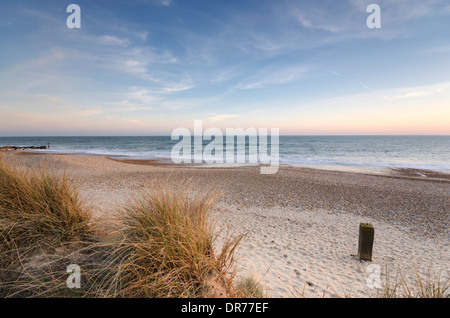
{"points": [[300, 225]]}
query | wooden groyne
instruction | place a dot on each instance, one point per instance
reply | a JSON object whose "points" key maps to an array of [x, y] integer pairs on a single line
{"points": [[7, 148]]}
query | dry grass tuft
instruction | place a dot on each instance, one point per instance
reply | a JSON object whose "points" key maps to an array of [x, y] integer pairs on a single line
{"points": [[39, 208], [433, 284], [168, 248], [39, 212], [164, 244], [249, 287]]}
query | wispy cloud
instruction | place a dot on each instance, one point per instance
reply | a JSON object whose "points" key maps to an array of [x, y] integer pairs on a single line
{"points": [[220, 117], [422, 91], [142, 95], [49, 98], [384, 99], [273, 76], [400, 11], [315, 21], [113, 40], [128, 106], [166, 3], [411, 95], [178, 86], [441, 49], [90, 112]]}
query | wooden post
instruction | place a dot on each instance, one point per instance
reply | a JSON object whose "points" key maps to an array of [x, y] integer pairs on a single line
{"points": [[365, 244]]}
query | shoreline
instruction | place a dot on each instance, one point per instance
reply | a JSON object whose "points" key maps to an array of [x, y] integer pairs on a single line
{"points": [[405, 193], [300, 225], [395, 172]]}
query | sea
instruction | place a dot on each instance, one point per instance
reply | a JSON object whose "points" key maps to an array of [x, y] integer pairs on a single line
{"points": [[417, 152]]}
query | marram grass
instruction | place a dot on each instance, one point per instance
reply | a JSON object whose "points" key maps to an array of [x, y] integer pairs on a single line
{"points": [[163, 244], [38, 210], [168, 248], [40, 214]]}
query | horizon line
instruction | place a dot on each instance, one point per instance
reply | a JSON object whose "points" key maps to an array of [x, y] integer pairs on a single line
{"points": [[281, 135]]}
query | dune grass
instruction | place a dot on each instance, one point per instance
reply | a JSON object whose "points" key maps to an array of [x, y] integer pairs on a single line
{"points": [[168, 249], [163, 244], [39, 212], [249, 287], [39, 208], [433, 284]]}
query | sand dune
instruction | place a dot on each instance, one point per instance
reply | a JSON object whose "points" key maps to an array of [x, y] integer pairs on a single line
{"points": [[301, 224]]}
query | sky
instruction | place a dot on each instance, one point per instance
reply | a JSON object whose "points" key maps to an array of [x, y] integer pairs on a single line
{"points": [[146, 67]]}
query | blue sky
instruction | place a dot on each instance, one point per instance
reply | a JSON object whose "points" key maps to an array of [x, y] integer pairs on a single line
{"points": [[145, 67]]}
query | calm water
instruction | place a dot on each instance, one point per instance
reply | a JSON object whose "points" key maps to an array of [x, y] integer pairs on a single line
{"points": [[423, 152]]}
